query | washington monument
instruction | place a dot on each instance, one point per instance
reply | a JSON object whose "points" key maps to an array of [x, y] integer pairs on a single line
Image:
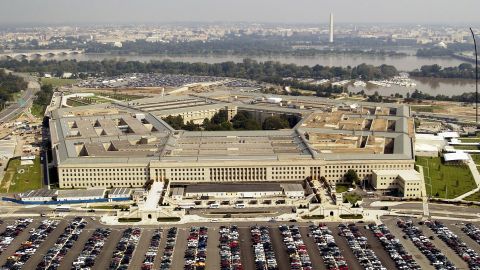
{"points": [[331, 28]]}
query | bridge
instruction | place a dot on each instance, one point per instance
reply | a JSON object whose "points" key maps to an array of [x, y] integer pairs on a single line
{"points": [[39, 54]]}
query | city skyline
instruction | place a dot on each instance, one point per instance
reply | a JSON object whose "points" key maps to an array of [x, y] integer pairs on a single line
{"points": [[268, 11]]}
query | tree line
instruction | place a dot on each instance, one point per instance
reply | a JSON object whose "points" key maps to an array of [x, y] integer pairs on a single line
{"points": [[269, 71], [462, 71]]}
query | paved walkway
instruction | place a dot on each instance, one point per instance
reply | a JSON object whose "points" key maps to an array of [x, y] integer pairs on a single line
{"points": [[153, 197]]}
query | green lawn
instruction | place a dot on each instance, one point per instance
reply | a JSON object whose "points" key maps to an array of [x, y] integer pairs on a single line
{"points": [[476, 158], [470, 140], [37, 110], [56, 82], [341, 188], [21, 178], [456, 179], [76, 103], [352, 197], [465, 147], [475, 197], [123, 97]]}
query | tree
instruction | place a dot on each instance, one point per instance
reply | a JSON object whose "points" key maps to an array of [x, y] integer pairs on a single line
{"points": [[351, 177], [274, 123]]}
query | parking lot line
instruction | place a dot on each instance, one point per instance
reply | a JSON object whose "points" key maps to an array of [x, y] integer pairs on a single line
{"points": [[377, 247], [213, 256], [451, 255], [312, 249], [103, 260], [352, 262], [180, 246], [280, 252], [409, 246], [141, 249], [45, 246], [75, 250], [469, 241], [18, 241], [248, 260], [161, 248]]}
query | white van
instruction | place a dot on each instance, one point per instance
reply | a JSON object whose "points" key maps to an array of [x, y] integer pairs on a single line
{"points": [[239, 205], [214, 205]]}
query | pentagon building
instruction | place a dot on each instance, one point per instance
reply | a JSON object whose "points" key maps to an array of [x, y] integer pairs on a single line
{"points": [[126, 144]]}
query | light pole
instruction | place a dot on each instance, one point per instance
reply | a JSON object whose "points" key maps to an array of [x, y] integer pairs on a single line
{"points": [[476, 76]]}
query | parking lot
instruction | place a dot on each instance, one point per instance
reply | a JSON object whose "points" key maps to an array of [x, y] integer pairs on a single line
{"points": [[71, 243]]}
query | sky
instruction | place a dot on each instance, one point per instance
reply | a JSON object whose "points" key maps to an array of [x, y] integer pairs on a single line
{"points": [[14, 12]]}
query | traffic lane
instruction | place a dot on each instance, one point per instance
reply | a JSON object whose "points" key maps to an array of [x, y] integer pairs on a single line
{"points": [[312, 249]]}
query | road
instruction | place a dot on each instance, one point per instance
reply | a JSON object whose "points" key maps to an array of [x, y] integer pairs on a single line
{"points": [[12, 111]]}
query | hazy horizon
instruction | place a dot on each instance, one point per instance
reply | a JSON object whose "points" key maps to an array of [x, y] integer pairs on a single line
{"points": [[25, 12]]}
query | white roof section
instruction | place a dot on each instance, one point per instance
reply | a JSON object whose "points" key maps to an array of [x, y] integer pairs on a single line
{"points": [[421, 147], [449, 134], [457, 156], [410, 175], [430, 137]]}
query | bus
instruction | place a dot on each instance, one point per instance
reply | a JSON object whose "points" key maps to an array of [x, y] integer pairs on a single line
{"points": [[62, 208], [186, 205]]}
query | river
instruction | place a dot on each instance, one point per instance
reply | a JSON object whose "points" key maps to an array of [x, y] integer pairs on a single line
{"points": [[410, 62]]}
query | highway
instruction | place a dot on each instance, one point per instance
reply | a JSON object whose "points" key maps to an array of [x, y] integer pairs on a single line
{"points": [[24, 102]]}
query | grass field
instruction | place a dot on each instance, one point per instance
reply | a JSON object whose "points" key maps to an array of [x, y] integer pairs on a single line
{"points": [[15, 181], [465, 147], [454, 179], [56, 82], [470, 140], [426, 108], [475, 197], [476, 158]]}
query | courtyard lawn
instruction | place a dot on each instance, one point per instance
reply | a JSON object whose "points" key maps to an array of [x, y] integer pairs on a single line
{"points": [[20, 178], [339, 188], [447, 181], [56, 82]]}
